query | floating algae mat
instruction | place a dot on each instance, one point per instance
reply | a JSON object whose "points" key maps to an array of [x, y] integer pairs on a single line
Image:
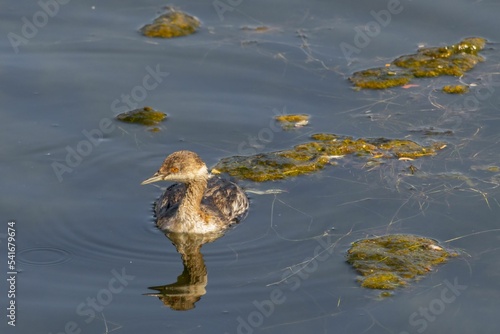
{"points": [[268, 166], [172, 24], [392, 261], [455, 89], [381, 77], [452, 60], [291, 121], [144, 116], [315, 155]]}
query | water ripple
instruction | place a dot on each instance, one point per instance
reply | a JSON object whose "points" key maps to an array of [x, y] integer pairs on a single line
{"points": [[44, 256]]}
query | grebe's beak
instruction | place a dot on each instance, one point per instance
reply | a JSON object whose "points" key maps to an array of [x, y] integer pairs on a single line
{"points": [[155, 178]]}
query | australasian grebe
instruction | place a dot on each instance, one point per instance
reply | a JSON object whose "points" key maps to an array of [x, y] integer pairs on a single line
{"points": [[201, 203]]}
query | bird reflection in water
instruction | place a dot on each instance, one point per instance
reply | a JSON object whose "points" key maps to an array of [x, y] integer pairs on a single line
{"points": [[191, 283], [193, 212]]}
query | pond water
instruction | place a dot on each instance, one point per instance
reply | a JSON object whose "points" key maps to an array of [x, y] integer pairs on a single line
{"points": [[87, 249]]}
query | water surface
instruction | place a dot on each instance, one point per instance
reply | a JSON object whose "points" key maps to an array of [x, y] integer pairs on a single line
{"points": [[87, 246]]}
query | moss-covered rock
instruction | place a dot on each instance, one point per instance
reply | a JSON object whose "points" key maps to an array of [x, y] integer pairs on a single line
{"points": [[392, 261], [172, 24], [145, 116]]}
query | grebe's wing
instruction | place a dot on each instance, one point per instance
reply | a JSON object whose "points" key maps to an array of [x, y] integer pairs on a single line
{"points": [[228, 197], [170, 199]]}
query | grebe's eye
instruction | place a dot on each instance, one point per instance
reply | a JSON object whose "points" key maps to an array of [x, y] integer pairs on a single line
{"points": [[174, 170]]}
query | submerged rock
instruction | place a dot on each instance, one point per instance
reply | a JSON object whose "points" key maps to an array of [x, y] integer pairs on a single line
{"points": [[172, 24], [427, 62], [392, 261], [145, 116], [314, 155]]}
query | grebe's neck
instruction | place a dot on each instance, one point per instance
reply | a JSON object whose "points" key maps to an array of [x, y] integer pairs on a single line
{"points": [[190, 206]]}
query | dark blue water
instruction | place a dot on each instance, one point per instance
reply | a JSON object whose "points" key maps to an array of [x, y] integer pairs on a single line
{"points": [[87, 249]]}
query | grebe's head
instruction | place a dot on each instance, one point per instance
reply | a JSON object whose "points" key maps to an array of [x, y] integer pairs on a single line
{"points": [[181, 166]]}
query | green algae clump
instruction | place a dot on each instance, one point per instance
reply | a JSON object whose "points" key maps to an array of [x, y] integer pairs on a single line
{"points": [[335, 147], [471, 45], [446, 60], [455, 89], [313, 156], [170, 25], [145, 116], [406, 148], [453, 60], [382, 281], [292, 120], [381, 78], [392, 261], [268, 166]]}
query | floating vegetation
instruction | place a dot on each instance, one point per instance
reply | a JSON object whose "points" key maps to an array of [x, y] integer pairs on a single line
{"points": [[257, 29], [172, 24], [392, 261], [268, 166], [433, 131], [447, 60], [145, 116], [407, 148], [427, 62], [488, 168], [312, 156], [455, 89], [381, 78], [292, 121]]}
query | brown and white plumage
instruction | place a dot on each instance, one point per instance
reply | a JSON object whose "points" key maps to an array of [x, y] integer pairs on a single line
{"points": [[200, 203]]}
